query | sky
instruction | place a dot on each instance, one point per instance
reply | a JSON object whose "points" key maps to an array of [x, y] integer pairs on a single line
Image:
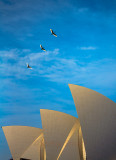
{"points": [[84, 53]]}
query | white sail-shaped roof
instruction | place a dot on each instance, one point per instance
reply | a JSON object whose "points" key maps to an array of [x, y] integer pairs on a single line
{"points": [[19, 138], [33, 151], [71, 150], [97, 115], [57, 128]]}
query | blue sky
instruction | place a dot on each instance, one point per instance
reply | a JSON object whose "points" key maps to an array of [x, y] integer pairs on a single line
{"points": [[84, 53]]}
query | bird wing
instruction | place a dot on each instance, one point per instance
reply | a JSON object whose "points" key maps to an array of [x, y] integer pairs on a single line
{"points": [[51, 30], [27, 64], [44, 49], [30, 67], [54, 34]]}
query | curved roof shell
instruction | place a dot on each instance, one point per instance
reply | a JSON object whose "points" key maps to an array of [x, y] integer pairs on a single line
{"points": [[97, 116], [20, 138], [60, 130]]}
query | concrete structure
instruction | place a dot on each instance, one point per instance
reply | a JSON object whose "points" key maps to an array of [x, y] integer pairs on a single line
{"points": [[92, 136], [97, 115], [23, 141], [59, 139], [61, 133]]}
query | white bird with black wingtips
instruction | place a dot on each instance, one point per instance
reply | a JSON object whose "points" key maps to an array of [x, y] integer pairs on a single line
{"points": [[28, 66], [53, 33], [42, 48]]}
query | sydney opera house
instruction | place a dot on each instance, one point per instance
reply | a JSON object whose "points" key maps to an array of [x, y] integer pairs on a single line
{"points": [[91, 136]]}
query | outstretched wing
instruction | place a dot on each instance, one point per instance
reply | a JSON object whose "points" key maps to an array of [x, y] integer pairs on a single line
{"points": [[51, 31], [40, 46], [43, 49], [28, 66], [54, 34]]}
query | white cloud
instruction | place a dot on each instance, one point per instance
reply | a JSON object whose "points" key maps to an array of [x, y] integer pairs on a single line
{"points": [[61, 70], [101, 74], [88, 48], [18, 67], [26, 50], [12, 54], [42, 55]]}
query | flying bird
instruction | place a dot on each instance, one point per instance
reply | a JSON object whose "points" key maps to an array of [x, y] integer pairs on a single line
{"points": [[53, 33], [28, 66], [42, 48]]}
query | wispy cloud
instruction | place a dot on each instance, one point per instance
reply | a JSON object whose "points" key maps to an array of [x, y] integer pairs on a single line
{"points": [[88, 48], [62, 70], [13, 62], [9, 54], [96, 73]]}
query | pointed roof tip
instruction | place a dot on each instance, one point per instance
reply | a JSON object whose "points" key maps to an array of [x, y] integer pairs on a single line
{"points": [[77, 88], [46, 110], [51, 110], [42, 110], [72, 85]]}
